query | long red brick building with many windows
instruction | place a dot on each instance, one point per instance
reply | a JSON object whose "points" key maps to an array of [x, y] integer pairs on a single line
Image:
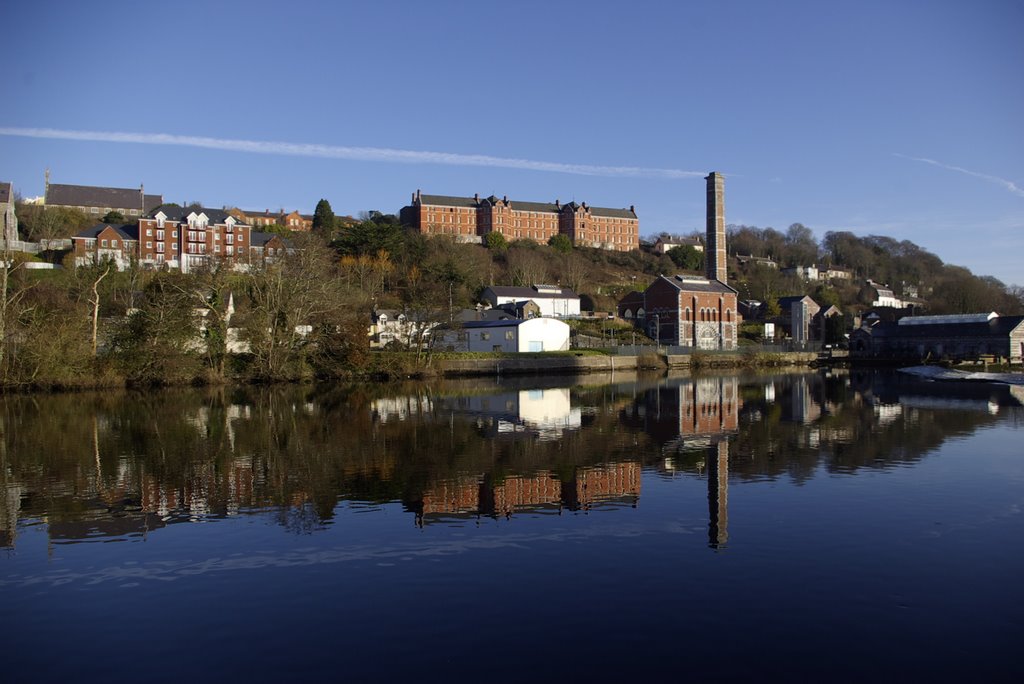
{"points": [[469, 219]]}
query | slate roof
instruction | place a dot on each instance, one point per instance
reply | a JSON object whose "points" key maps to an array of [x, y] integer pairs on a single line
{"points": [[448, 201], [127, 231], [547, 207], [97, 196], [175, 213], [530, 293], [258, 238], [473, 315], [694, 284], [6, 192]]}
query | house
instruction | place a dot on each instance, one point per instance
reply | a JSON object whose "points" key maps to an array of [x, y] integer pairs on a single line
{"points": [[266, 248], [99, 201], [664, 244], [469, 219], [880, 295], [955, 337], [551, 300], [188, 237], [290, 220], [407, 329], [802, 272], [115, 242], [799, 313], [515, 335], [8, 219], [833, 273], [746, 260], [691, 311]]}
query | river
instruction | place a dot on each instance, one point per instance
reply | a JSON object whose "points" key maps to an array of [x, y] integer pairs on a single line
{"points": [[831, 525]]}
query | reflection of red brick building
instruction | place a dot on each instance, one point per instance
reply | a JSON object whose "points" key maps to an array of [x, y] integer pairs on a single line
{"points": [[518, 491], [602, 483], [471, 218], [452, 496]]}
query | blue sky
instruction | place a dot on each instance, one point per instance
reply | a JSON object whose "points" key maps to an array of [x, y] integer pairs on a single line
{"points": [[894, 118]]}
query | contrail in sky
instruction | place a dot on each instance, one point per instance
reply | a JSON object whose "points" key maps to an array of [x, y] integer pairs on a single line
{"points": [[381, 154], [1009, 185]]}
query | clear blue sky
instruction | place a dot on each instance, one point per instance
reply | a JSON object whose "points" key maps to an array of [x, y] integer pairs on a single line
{"points": [[806, 107]]}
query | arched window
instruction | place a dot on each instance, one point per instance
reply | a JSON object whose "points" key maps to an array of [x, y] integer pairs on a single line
{"points": [[628, 313]]}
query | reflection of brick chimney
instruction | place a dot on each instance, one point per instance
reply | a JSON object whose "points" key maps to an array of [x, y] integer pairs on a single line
{"points": [[714, 252]]}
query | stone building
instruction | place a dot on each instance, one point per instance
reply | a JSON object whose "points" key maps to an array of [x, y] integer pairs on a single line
{"points": [[956, 337], [690, 311], [290, 220], [469, 219], [99, 201], [8, 219]]}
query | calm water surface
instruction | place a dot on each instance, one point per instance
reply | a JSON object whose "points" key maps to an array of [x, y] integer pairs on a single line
{"points": [[817, 526]]}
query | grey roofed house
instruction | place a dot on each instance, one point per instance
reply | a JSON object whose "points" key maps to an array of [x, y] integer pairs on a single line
{"points": [[470, 315], [258, 238], [955, 336], [449, 201], [58, 195], [128, 231]]}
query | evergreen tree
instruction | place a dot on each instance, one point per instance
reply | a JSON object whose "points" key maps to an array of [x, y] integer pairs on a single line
{"points": [[323, 219]]}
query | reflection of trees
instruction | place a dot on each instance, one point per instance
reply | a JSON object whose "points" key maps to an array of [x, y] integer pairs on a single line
{"points": [[145, 460]]}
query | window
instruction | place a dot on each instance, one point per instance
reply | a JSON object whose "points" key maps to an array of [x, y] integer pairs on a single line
{"points": [[485, 336], [510, 335], [159, 235], [149, 232], [160, 248], [216, 248], [149, 244], [103, 243], [241, 237], [230, 239], [174, 246], [174, 233], [95, 210], [229, 249], [113, 243], [160, 257], [134, 212]]}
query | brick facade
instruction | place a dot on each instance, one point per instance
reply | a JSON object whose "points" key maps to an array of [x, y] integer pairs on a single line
{"points": [[471, 218]]}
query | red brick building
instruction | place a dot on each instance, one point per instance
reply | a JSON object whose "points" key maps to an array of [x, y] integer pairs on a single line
{"points": [[118, 243], [185, 237], [471, 218], [258, 219], [692, 311]]}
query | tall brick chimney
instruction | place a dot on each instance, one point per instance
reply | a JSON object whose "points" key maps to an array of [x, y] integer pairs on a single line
{"points": [[714, 248]]}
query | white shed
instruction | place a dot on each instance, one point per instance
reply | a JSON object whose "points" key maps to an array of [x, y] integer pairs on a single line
{"points": [[519, 335]]}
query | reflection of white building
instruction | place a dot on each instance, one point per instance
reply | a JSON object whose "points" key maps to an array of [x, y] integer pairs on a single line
{"points": [[548, 411]]}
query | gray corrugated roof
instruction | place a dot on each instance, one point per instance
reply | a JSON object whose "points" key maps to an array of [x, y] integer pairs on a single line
{"points": [[1002, 325], [6, 192], [96, 196], [128, 231]]}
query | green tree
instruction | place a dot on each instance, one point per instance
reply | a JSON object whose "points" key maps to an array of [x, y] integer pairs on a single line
{"points": [[113, 216], [561, 243], [687, 258], [323, 220], [496, 242]]}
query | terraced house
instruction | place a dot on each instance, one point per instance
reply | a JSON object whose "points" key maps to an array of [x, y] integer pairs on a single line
{"points": [[173, 237], [469, 219]]}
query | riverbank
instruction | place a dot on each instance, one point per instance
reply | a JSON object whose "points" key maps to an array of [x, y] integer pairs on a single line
{"points": [[530, 364]]}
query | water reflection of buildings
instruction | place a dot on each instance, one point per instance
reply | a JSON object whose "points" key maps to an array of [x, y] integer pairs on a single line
{"points": [[692, 419], [589, 488]]}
